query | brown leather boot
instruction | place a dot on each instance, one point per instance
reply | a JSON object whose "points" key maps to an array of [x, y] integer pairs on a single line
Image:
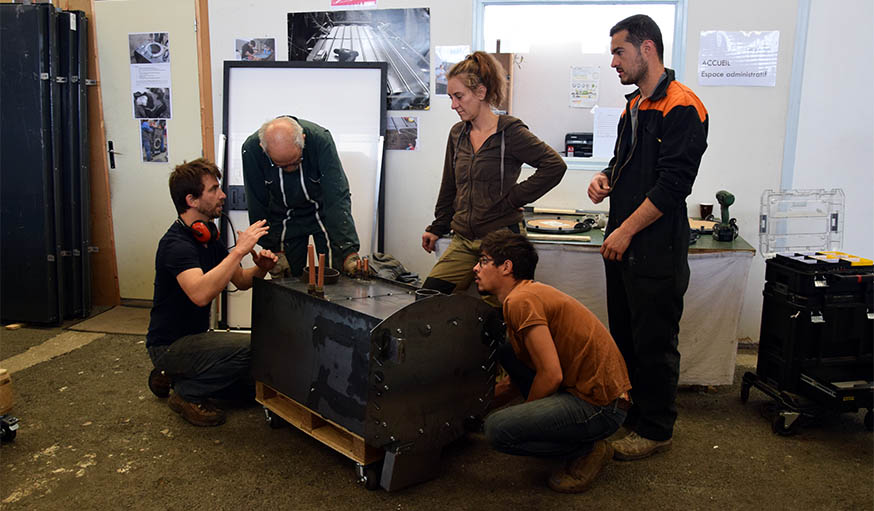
{"points": [[198, 414], [635, 447], [578, 474]]}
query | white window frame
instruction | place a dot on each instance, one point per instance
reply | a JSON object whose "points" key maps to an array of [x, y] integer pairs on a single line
{"points": [[678, 55]]}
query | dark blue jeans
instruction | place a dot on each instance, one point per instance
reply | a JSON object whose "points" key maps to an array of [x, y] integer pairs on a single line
{"points": [[211, 364], [557, 426]]}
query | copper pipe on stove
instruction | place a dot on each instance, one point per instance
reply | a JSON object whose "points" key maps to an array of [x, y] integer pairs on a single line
{"points": [[311, 257], [321, 284]]}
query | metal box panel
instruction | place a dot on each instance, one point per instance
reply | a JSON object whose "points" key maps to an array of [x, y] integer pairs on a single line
{"points": [[403, 374]]}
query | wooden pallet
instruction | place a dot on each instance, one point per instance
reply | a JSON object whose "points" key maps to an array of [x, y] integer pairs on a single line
{"points": [[329, 433]]}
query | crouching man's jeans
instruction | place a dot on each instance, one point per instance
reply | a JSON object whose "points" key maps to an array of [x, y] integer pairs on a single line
{"points": [[208, 365], [557, 426]]}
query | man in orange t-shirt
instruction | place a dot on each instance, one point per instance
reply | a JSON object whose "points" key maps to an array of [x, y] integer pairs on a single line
{"points": [[562, 360]]}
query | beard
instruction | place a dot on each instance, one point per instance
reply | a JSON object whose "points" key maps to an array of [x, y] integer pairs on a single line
{"points": [[210, 213], [638, 74]]}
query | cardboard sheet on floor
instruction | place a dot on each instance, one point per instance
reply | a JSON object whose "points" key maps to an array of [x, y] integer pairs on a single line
{"points": [[117, 320]]}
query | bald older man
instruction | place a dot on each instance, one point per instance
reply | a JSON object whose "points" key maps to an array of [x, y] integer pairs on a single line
{"points": [[294, 179]]}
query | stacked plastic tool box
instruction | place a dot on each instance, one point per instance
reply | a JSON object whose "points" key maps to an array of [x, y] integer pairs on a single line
{"points": [[816, 343], [817, 333]]}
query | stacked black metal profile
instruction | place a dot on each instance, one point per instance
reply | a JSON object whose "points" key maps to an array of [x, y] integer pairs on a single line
{"points": [[44, 165], [816, 348]]}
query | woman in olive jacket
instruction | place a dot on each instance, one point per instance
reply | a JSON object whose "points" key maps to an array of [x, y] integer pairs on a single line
{"points": [[484, 156]]}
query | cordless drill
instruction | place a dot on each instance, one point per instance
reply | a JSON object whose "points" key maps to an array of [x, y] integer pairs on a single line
{"points": [[726, 229]]}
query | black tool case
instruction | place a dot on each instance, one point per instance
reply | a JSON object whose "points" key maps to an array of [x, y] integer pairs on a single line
{"points": [[817, 337]]}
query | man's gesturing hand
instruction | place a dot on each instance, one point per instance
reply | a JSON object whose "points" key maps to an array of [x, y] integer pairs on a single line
{"points": [[246, 240], [265, 259]]}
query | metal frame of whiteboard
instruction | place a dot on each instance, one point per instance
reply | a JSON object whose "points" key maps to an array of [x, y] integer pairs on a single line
{"points": [[346, 98]]}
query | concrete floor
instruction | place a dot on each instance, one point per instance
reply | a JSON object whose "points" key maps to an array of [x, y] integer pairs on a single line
{"points": [[93, 437]]}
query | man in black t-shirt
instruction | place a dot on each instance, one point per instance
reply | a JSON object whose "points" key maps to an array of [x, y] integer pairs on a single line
{"points": [[191, 268]]}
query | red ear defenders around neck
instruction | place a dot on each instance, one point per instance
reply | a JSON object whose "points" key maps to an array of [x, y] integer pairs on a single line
{"points": [[203, 232]]}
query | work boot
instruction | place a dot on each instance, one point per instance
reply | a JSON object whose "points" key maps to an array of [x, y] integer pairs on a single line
{"points": [[635, 447], [198, 414], [578, 474], [160, 383]]}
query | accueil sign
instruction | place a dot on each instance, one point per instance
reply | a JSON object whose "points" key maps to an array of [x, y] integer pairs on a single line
{"points": [[738, 58]]}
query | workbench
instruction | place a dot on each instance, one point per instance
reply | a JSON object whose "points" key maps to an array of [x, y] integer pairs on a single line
{"points": [[712, 305]]}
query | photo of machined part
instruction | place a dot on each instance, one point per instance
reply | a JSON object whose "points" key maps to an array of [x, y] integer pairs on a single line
{"points": [[153, 48], [400, 37]]}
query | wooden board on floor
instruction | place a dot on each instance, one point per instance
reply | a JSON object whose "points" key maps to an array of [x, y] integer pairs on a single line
{"points": [[329, 433]]}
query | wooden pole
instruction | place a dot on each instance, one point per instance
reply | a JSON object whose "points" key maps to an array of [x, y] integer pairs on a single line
{"points": [[207, 129]]}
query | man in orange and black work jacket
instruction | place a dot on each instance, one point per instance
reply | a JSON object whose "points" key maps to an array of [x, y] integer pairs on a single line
{"points": [[662, 136]]}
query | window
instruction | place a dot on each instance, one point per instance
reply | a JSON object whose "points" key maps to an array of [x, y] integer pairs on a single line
{"points": [[548, 38]]}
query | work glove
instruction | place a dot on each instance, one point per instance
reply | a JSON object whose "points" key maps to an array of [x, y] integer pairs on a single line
{"points": [[350, 264], [281, 269]]}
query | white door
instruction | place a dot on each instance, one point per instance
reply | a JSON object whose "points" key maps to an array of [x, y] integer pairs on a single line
{"points": [[141, 206]]}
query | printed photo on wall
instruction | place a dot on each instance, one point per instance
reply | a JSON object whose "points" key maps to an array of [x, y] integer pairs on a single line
{"points": [[402, 133], [256, 50], [401, 37], [152, 103], [444, 58], [151, 48], [153, 135]]}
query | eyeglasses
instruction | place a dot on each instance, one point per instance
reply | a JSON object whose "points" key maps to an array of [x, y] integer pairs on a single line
{"points": [[288, 166], [484, 260]]}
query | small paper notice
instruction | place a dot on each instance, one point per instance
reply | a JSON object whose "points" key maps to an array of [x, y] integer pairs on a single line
{"points": [[606, 122]]}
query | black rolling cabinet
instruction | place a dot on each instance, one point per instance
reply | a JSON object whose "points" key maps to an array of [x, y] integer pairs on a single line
{"points": [[817, 331], [44, 187], [816, 345]]}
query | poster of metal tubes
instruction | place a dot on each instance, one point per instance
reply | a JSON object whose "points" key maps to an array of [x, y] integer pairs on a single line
{"points": [[400, 37]]}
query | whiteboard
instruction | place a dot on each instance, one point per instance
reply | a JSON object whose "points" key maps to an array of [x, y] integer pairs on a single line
{"points": [[348, 99]]}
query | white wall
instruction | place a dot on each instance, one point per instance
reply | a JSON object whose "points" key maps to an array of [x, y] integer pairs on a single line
{"points": [[835, 142], [747, 127]]}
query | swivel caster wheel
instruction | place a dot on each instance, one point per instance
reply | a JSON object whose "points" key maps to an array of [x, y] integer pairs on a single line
{"points": [[369, 475], [744, 393], [274, 420], [8, 428], [786, 424]]}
